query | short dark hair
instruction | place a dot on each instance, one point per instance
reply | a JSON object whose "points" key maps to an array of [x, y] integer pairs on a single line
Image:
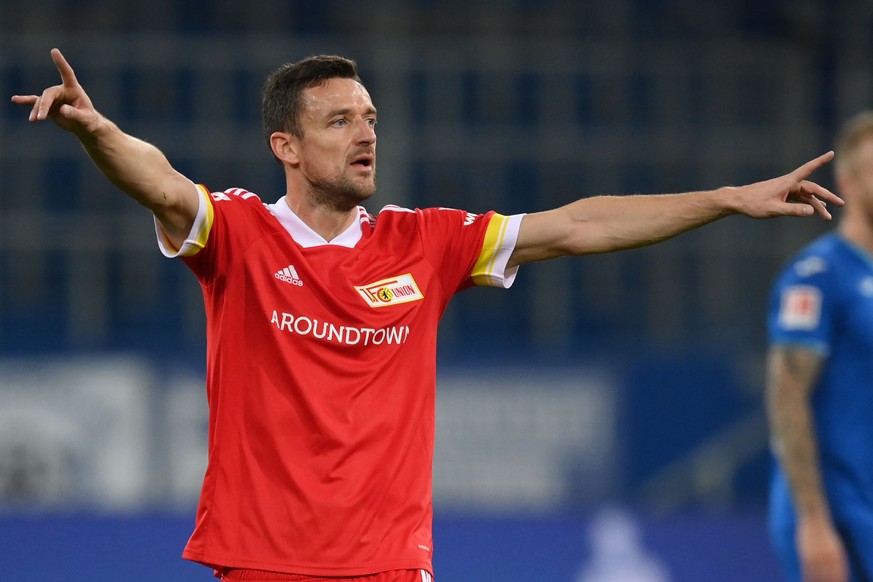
{"points": [[281, 101]]}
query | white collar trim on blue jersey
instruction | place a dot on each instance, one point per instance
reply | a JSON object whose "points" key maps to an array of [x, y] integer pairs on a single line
{"points": [[305, 236]]}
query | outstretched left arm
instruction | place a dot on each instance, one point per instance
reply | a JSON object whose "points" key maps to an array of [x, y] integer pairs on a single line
{"points": [[611, 223]]}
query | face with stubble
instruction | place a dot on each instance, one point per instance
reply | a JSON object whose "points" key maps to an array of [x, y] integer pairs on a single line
{"points": [[336, 157]]}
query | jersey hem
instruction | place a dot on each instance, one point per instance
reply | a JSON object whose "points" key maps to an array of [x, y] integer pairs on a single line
{"points": [[309, 569]]}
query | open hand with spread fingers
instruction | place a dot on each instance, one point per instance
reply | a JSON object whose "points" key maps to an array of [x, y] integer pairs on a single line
{"points": [[66, 104], [788, 195], [135, 166]]}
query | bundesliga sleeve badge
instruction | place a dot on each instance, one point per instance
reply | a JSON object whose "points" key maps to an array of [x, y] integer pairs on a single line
{"points": [[800, 307]]}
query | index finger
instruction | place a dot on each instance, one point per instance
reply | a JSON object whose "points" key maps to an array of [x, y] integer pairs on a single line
{"points": [[67, 75], [813, 165]]}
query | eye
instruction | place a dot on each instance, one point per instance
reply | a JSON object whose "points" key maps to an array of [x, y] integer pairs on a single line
{"points": [[341, 122], [371, 121]]}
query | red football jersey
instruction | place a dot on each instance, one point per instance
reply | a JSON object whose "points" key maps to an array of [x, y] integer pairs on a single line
{"points": [[321, 373]]}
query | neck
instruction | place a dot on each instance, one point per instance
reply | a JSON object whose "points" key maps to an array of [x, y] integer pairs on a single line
{"points": [[858, 230], [327, 221]]}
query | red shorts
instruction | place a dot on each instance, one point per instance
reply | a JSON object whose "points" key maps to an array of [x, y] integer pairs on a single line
{"points": [[243, 575]]}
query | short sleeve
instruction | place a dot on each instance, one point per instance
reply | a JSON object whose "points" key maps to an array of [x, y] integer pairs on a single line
{"points": [[803, 305], [196, 239], [470, 249], [226, 223], [501, 236]]}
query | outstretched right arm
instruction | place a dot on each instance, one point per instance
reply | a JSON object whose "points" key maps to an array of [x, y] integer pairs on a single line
{"points": [[136, 167]]}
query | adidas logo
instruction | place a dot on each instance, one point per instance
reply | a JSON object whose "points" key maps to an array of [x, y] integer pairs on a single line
{"points": [[289, 275]]}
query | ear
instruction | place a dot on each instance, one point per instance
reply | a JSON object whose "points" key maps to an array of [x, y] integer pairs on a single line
{"points": [[286, 147]]}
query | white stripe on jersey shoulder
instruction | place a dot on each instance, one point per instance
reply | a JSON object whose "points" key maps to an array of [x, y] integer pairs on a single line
{"points": [[425, 576], [233, 192], [241, 192], [365, 217], [395, 208]]}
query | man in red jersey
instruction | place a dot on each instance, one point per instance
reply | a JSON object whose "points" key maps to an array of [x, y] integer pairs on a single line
{"points": [[322, 319]]}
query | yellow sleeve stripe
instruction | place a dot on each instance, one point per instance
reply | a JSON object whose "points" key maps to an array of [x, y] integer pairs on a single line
{"points": [[202, 224], [200, 229], [494, 236]]}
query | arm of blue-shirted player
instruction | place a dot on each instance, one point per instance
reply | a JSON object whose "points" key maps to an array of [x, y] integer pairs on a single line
{"points": [[792, 375], [610, 223], [134, 166]]}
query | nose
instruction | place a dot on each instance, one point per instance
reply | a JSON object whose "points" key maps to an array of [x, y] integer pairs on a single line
{"points": [[366, 133]]}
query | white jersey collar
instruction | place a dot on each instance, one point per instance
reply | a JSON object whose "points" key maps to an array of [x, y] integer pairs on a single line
{"points": [[306, 237]]}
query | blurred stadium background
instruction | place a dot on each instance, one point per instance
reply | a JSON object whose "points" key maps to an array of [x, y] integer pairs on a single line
{"points": [[601, 420]]}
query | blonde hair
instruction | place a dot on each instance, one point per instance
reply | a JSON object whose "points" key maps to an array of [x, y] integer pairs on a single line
{"points": [[853, 133]]}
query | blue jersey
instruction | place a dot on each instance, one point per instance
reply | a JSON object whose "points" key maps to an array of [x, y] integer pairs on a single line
{"points": [[824, 301]]}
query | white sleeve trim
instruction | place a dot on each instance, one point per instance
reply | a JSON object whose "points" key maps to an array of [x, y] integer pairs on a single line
{"points": [[198, 235], [506, 276], [491, 270]]}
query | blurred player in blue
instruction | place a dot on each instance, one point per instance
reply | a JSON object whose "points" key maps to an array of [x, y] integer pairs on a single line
{"points": [[820, 386]]}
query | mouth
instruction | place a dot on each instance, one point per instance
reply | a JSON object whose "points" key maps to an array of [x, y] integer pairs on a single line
{"points": [[364, 162]]}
